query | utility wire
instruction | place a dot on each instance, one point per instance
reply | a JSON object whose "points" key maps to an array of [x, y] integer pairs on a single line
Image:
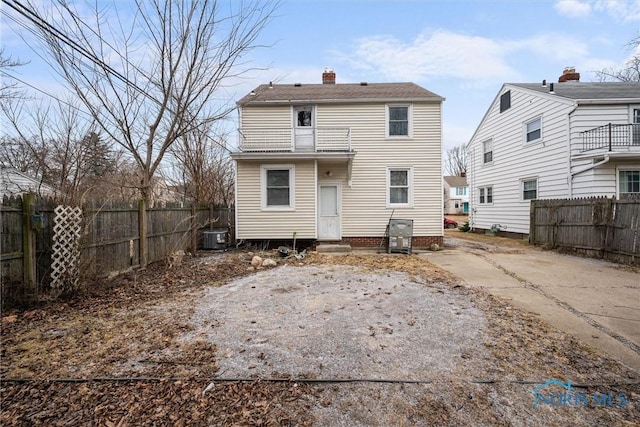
{"points": [[49, 29]]}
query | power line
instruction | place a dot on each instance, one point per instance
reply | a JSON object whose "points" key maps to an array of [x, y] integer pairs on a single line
{"points": [[50, 30]]}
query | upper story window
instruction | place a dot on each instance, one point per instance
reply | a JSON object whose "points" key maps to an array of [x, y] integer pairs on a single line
{"points": [[461, 191], [530, 189], [277, 187], [533, 130], [487, 150], [398, 121], [505, 101]]}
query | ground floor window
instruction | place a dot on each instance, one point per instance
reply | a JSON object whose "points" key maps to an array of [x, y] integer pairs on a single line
{"points": [[628, 182], [277, 187], [529, 189], [486, 195], [399, 187]]}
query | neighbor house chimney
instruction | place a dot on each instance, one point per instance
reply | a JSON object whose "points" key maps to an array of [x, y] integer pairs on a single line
{"points": [[569, 75], [328, 77]]}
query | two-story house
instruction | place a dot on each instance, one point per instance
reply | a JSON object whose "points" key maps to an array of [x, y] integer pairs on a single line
{"points": [[552, 141], [334, 162], [456, 196]]}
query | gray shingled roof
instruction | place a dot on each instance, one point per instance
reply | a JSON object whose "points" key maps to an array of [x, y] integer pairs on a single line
{"points": [[588, 90], [358, 92], [456, 181]]}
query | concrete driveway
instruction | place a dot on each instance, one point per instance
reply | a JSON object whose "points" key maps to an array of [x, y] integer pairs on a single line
{"points": [[596, 301]]}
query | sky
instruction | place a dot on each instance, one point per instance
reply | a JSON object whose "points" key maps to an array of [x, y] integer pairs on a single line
{"points": [[462, 50]]}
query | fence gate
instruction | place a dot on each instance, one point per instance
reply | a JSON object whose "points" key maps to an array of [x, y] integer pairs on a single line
{"points": [[66, 248]]}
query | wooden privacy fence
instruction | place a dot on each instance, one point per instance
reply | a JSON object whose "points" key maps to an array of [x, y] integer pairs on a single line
{"points": [[600, 226], [113, 239]]}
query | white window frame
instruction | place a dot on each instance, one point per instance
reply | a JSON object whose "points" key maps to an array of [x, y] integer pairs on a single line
{"points": [[526, 132], [409, 134], [483, 193], [629, 168], [409, 203], [484, 151], [522, 182], [263, 187], [461, 191]]}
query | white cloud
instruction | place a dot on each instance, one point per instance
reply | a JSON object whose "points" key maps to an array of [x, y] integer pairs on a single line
{"points": [[441, 54], [621, 10], [573, 8], [469, 59]]}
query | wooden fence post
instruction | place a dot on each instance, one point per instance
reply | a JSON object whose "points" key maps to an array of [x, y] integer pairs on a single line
{"points": [[29, 246], [532, 223], [194, 229], [142, 231], [609, 225]]}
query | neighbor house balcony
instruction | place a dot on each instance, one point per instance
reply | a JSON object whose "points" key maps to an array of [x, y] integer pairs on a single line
{"points": [[295, 140], [613, 140]]}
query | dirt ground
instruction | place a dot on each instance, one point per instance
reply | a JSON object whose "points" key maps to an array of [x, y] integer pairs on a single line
{"points": [[329, 340]]}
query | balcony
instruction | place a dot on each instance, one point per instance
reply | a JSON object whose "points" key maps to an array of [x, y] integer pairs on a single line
{"points": [[295, 140], [612, 138]]}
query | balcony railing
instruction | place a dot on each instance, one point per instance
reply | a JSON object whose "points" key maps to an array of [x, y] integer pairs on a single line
{"points": [[612, 137], [306, 139]]}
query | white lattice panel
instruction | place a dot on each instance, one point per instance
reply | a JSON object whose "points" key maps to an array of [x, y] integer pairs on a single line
{"points": [[66, 247]]}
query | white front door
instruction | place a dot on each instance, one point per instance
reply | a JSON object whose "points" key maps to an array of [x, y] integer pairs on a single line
{"points": [[329, 223], [303, 128]]}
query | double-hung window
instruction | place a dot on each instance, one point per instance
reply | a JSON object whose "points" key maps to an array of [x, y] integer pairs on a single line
{"points": [[530, 189], [486, 195], [533, 130], [399, 187], [461, 191], [487, 150], [628, 182], [398, 121], [278, 187]]}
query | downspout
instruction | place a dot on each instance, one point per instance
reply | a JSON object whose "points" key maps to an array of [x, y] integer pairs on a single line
{"points": [[569, 161], [595, 165]]}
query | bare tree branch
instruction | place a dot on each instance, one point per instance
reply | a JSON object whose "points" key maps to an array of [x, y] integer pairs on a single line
{"points": [[456, 161], [152, 80], [630, 70]]}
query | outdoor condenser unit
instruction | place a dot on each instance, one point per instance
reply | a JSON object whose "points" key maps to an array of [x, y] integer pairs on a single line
{"points": [[400, 233], [215, 239]]}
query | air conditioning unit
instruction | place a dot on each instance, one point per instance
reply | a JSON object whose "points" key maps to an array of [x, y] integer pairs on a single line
{"points": [[400, 234], [215, 239]]}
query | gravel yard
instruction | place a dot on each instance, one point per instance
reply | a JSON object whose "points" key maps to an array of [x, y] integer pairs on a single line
{"points": [[332, 340]]}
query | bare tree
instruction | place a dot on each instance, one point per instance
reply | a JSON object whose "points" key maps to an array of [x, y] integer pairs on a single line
{"points": [[54, 143], [8, 89], [141, 74], [630, 70], [205, 168], [456, 161]]}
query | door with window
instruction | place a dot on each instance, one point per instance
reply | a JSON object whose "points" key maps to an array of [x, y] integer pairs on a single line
{"points": [[303, 128], [329, 222]]}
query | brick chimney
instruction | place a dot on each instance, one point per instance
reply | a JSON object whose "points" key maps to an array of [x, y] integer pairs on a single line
{"points": [[328, 77], [569, 75]]}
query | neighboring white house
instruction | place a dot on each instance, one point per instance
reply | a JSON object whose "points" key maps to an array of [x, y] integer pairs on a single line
{"points": [[14, 182], [549, 141], [334, 162], [456, 197]]}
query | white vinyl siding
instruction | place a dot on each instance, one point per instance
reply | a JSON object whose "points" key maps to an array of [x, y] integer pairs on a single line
{"points": [[513, 159], [254, 222], [364, 209]]}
